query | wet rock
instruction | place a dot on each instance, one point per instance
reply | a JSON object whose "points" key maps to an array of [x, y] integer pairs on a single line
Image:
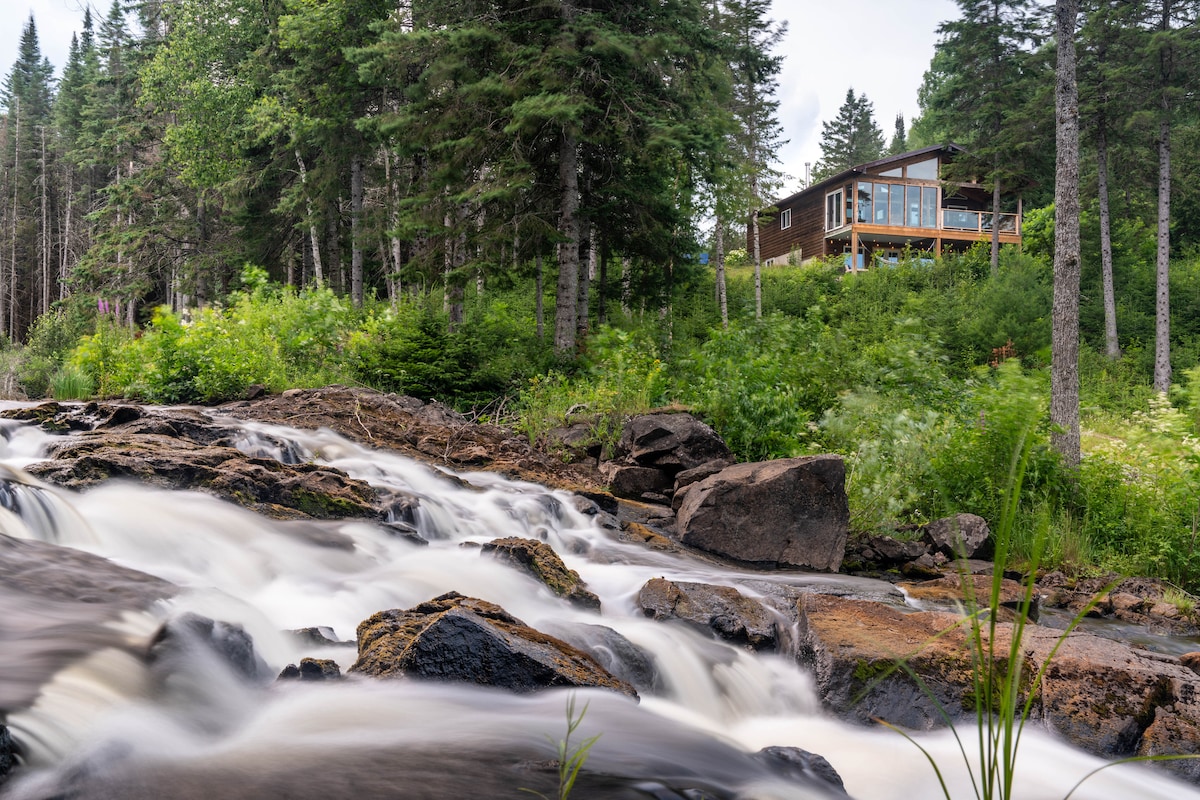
{"points": [[192, 638], [321, 635], [8, 753], [614, 652], [952, 592], [674, 442], [721, 610], [59, 605], [312, 669], [459, 638], [890, 551], [1100, 695], [644, 535], [923, 567], [430, 432], [261, 484], [803, 766], [633, 481], [790, 512], [540, 561], [960, 535], [853, 648]]}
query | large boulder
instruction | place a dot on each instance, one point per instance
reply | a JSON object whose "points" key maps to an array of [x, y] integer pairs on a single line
{"points": [[540, 561], [720, 610], [790, 512], [459, 638], [671, 441], [960, 535]]}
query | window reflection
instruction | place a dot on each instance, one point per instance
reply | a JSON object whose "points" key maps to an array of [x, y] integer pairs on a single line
{"points": [[881, 204]]}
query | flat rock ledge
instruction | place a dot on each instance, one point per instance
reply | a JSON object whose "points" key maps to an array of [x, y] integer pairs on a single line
{"points": [[1105, 697]]}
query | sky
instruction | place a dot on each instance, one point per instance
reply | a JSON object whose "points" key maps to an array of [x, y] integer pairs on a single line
{"points": [[880, 48]]}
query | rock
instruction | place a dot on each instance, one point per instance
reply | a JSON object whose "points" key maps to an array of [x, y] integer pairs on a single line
{"points": [[8, 753], [633, 482], [614, 652], [949, 593], [636, 533], [853, 647], [1191, 661], [540, 560], [61, 604], [890, 551], [801, 765], [721, 610], [675, 441], [260, 484], [459, 638], [427, 431], [791, 512], [922, 567], [1098, 694], [193, 638], [322, 636], [695, 475], [960, 535], [312, 669]]}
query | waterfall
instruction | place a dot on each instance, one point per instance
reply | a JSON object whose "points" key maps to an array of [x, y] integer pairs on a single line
{"points": [[105, 723]]}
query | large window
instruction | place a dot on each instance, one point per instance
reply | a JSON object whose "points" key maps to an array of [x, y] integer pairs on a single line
{"points": [[834, 203], [928, 206], [923, 170], [864, 203], [912, 206], [882, 191], [785, 219]]}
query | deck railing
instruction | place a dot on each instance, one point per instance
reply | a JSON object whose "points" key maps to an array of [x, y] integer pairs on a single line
{"points": [[978, 221]]}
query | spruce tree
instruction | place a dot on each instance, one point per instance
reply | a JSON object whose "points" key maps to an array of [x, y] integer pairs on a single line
{"points": [[850, 138], [899, 141]]}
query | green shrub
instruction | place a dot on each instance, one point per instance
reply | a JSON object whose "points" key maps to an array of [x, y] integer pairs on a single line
{"points": [[49, 343], [622, 375]]}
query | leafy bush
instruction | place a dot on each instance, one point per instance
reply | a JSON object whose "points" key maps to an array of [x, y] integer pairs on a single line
{"points": [[622, 375], [758, 385], [50, 341]]}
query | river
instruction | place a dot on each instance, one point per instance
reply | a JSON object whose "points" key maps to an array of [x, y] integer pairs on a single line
{"points": [[106, 726]]}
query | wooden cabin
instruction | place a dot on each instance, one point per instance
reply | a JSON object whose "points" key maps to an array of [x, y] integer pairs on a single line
{"points": [[874, 211]]}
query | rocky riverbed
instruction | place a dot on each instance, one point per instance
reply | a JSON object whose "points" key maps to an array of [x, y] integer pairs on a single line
{"points": [[671, 486]]}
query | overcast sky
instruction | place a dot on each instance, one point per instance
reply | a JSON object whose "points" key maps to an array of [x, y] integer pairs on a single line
{"points": [[881, 48]]}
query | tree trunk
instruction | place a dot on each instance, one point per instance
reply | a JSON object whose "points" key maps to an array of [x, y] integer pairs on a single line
{"points": [[45, 255], [313, 237], [566, 298], [602, 286], [587, 268], [1162, 327], [719, 260], [356, 250], [1064, 366], [1112, 347], [540, 308]]}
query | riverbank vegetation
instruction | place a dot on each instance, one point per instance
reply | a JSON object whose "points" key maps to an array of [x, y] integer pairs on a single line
{"points": [[923, 376]]}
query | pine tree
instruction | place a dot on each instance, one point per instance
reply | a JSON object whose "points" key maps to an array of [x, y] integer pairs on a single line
{"points": [[899, 141], [26, 96], [850, 138], [982, 87]]}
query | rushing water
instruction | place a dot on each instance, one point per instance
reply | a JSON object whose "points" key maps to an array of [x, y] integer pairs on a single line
{"points": [[107, 727]]}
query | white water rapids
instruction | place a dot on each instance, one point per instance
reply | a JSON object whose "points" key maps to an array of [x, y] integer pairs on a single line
{"points": [[711, 703]]}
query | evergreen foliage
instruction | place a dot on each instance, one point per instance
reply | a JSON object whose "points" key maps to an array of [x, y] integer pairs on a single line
{"points": [[851, 138]]}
